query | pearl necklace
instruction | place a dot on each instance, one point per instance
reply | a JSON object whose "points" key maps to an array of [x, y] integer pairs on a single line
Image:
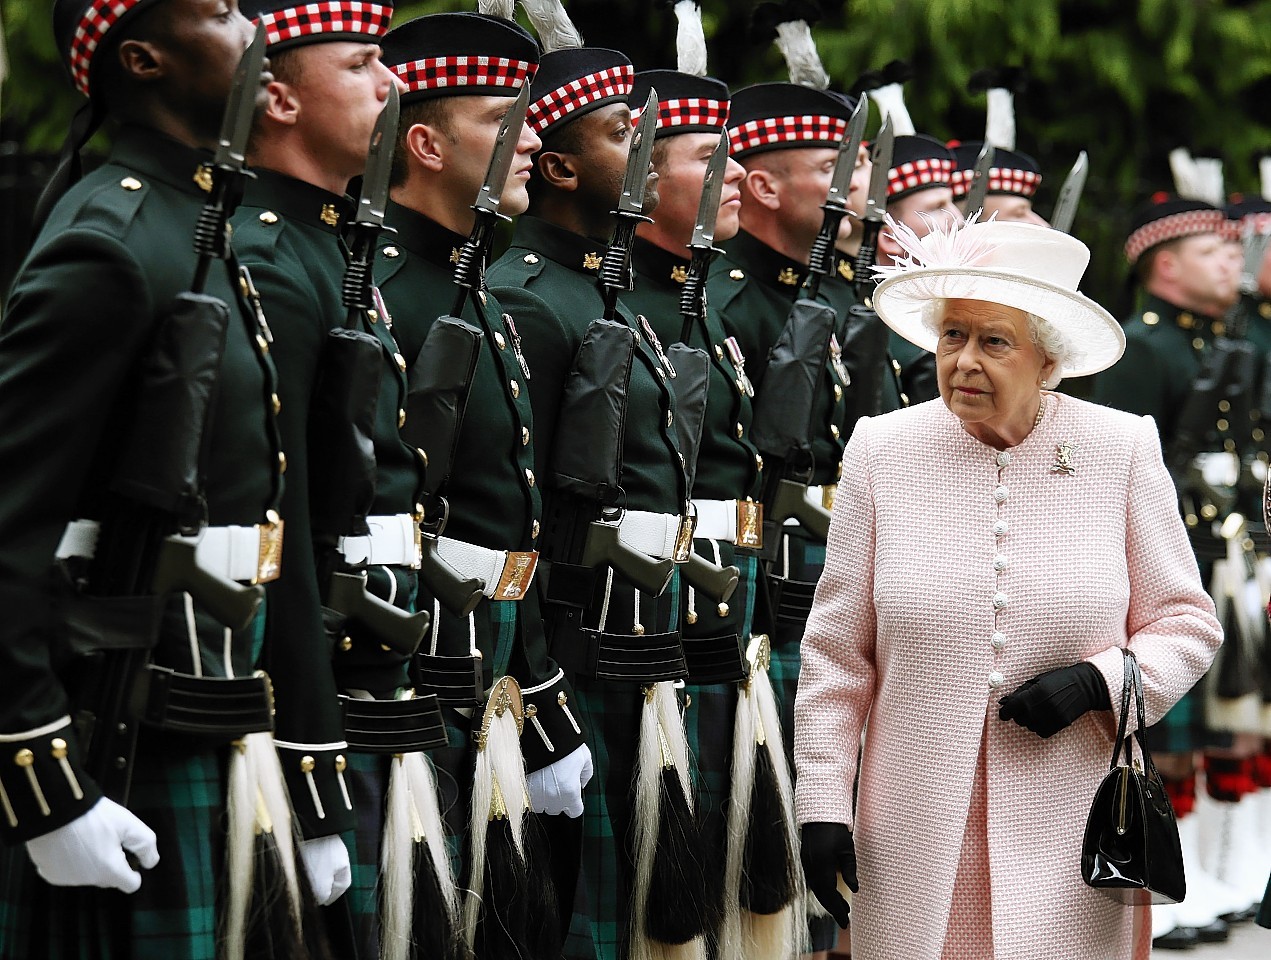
{"points": [[1041, 412]]}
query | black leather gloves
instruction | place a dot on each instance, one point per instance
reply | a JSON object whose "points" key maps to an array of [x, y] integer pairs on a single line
{"points": [[1053, 700], [826, 850]]}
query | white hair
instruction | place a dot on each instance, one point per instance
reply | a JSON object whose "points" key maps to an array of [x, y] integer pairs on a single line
{"points": [[1043, 334]]}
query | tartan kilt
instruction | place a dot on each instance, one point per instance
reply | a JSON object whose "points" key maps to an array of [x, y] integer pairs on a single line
{"points": [[611, 716], [179, 791]]}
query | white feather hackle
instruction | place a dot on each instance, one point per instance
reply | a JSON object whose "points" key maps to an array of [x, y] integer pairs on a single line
{"points": [[794, 40], [999, 118], [1197, 178], [890, 98], [946, 245], [497, 8], [500, 765], [552, 24], [661, 728], [690, 39], [1264, 176]]}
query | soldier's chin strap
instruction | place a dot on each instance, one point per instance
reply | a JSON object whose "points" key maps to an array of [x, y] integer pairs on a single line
{"points": [[70, 168]]}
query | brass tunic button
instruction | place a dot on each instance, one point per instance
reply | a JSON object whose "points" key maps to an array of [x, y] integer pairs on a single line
{"points": [[719, 352], [515, 388], [1198, 343], [525, 436], [529, 476], [60, 748], [534, 529], [401, 419], [1258, 434], [561, 699], [838, 393], [758, 461], [736, 275], [500, 341], [262, 344], [670, 418], [1222, 424], [530, 258], [895, 365], [307, 764], [130, 183], [346, 644], [401, 362], [722, 609], [1186, 321], [277, 403], [373, 316], [340, 763], [740, 431], [531, 710], [268, 218], [282, 462], [423, 457], [24, 757], [481, 295], [1224, 406], [904, 398], [392, 252], [834, 430], [691, 617], [1151, 319]]}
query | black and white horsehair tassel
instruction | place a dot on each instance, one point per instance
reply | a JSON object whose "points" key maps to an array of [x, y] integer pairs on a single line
{"points": [[265, 890], [509, 911], [690, 39], [764, 893], [497, 8], [419, 902], [667, 921]]}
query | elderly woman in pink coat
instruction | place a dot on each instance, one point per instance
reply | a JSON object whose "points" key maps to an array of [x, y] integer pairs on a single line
{"points": [[991, 553]]}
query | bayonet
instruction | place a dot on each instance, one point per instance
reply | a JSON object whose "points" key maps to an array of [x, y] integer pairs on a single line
{"points": [[1254, 242], [834, 209], [702, 244], [615, 270], [223, 178], [368, 221], [875, 208], [470, 267], [1070, 195], [978, 188]]}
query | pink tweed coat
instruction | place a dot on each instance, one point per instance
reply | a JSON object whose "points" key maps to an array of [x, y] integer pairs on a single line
{"points": [[955, 573]]}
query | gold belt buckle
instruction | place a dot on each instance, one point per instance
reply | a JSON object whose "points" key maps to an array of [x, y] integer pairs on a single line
{"points": [[684, 537], [269, 558], [518, 574], [827, 495], [749, 524]]}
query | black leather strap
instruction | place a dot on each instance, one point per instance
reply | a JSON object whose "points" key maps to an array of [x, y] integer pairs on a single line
{"points": [[207, 706], [393, 726]]}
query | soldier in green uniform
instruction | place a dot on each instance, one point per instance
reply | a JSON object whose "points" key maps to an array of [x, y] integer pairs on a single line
{"points": [[461, 72], [619, 645], [1178, 255], [716, 632], [87, 309], [328, 90]]}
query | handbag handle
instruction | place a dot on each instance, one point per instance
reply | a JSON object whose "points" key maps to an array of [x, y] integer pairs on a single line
{"points": [[1133, 687]]}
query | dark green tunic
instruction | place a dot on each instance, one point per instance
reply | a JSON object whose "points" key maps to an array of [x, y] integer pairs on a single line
{"points": [[83, 313], [287, 231]]}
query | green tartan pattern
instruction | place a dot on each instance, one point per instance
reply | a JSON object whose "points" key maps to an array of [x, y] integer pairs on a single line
{"points": [[611, 717], [367, 779]]}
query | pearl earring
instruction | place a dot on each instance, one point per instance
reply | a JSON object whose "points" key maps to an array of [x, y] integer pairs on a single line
{"points": [[1045, 384]]}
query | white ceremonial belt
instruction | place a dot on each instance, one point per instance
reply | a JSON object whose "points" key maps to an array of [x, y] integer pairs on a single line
{"points": [[654, 534], [507, 573], [234, 553], [716, 520], [739, 522], [394, 542]]}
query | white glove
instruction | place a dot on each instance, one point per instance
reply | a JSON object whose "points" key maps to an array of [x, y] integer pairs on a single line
{"points": [[89, 851], [558, 787], [326, 861]]}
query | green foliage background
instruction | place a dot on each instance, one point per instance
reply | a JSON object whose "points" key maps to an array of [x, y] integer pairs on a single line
{"points": [[1126, 80]]}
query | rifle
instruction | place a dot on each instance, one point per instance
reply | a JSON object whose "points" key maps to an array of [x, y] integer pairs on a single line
{"points": [[342, 469], [156, 509], [834, 209], [692, 382]]}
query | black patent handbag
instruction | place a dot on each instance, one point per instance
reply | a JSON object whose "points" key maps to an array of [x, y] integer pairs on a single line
{"points": [[1131, 852]]}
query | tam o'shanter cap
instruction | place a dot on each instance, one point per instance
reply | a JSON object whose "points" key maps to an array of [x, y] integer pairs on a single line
{"points": [[1013, 173], [1249, 212], [576, 81], [780, 116], [918, 162], [460, 54], [292, 23], [81, 26], [1168, 217], [686, 104], [1021, 265]]}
